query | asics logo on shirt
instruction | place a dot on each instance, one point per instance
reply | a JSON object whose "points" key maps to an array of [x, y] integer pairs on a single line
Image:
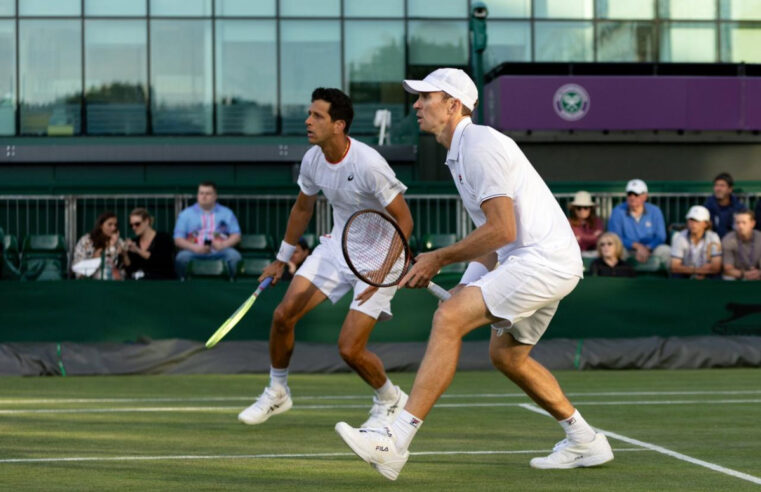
{"points": [[351, 176]]}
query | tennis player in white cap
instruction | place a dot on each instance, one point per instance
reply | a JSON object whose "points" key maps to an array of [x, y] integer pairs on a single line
{"points": [[521, 228]]}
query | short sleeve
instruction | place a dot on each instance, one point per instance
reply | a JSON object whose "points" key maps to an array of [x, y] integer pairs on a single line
{"points": [[306, 178], [181, 226], [714, 244], [234, 227], [729, 247], [382, 183], [678, 247], [490, 170]]}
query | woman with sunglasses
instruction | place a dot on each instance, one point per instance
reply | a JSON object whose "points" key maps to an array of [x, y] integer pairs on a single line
{"points": [[151, 253], [584, 221], [610, 262]]}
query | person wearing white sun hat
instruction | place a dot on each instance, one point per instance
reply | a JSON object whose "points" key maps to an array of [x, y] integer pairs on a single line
{"points": [[586, 226]]}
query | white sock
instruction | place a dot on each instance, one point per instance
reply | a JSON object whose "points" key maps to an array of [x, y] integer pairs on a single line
{"points": [[577, 429], [279, 377], [403, 429], [387, 392]]}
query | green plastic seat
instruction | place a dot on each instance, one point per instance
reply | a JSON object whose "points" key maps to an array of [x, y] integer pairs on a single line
{"points": [[436, 241], [252, 267], [208, 269], [256, 246], [44, 243], [44, 269]]}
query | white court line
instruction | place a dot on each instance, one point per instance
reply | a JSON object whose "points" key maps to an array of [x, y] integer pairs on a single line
{"points": [[17, 411], [263, 456], [662, 450], [362, 397]]}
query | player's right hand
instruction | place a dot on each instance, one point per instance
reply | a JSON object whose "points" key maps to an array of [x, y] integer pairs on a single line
{"points": [[274, 270]]}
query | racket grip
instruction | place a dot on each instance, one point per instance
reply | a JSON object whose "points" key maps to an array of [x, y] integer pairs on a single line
{"points": [[265, 283], [439, 291]]}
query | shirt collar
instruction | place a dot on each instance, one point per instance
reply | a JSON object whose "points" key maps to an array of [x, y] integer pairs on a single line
{"points": [[454, 150], [202, 211]]}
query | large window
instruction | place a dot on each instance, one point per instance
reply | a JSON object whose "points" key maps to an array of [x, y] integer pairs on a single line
{"points": [[740, 43], [741, 9], [246, 71], [8, 80], [50, 63], [189, 8], [563, 41], [442, 43], [116, 79], [41, 8], [509, 41], [115, 8], [7, 7], [374, 8], [688, 42], [310, 57], [625, 42], [563, 9], [181, 76], [626, 9], [508, 8], [233, 8], [439, 8], [374, 54], [310, 8], [688, 9]]}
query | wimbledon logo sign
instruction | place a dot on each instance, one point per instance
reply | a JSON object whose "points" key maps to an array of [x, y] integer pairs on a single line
{"points": [[571, 102]]}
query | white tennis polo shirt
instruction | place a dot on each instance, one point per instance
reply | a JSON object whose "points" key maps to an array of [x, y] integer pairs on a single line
{"points": [[363, 179], [485, 164]]}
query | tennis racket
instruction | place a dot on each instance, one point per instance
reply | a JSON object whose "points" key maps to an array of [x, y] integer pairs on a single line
{"points": [[377, 251], [237, 315]]}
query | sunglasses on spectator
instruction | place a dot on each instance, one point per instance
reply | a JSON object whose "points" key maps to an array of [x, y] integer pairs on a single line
{"points": [[583, 207], [135, 224], [606, 243], [631, 193]]}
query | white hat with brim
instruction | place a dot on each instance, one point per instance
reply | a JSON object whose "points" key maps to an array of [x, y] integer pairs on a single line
{"points": [[699, 213], [453, 81], [582, 199]]}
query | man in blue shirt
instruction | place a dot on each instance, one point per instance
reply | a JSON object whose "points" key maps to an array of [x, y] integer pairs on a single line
{"points": [[206, 230], [640, 225], [723, 204]]}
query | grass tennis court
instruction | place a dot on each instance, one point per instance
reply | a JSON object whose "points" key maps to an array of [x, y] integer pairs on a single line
{"points": [[671, 430]]}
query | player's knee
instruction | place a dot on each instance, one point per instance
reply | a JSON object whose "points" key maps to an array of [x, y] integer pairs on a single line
{"points": [[445, 322], [504, 362], [283, 319], [349, 350]]}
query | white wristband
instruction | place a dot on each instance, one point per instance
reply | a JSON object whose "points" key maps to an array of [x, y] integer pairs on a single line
{"points": [[475, 271], [285, 252]]}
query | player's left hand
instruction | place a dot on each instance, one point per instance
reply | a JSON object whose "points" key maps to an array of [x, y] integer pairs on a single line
{"points": [[366, 294], [426, 266]]}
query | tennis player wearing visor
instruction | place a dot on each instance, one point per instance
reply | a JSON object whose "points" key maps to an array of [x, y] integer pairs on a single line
{"points": [[352, 176], [520, 226]]}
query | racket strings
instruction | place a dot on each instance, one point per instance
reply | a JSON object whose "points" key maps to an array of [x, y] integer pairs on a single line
{"points": [[376, 249]]}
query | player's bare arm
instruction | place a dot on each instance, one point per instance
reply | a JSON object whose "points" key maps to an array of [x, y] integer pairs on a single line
{"points": [[499, 230], [298, 220], [399, 210]]}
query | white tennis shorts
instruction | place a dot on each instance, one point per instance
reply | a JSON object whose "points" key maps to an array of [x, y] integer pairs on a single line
{"points": [[526, 295], [329, 272]]}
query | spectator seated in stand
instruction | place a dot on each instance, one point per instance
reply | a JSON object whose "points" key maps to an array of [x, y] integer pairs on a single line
{"points": [[586, 226], [696, 251], [301, 253], [610, 262], [640, 226], [101, 254], [723, 204], [206, 231], [742, 249], [151, 253]]}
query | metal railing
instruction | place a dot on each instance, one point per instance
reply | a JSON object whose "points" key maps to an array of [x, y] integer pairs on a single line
{"points": [[74, 215]]}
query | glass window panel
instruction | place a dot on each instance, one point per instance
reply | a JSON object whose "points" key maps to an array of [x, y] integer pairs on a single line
{"points": [[190, 8], [310, 58], [509, 41], [625, 42], [740, 43], [741, 9], [115, 7], [246, 77], [688, 42], [49, 7], [508, 8], [7, 7], [374, 8], [626, 9], [563, 41], [563, 9], [688, 9], [8, 80], [181, 81], [441, 8], [310, 8], [116, 77], [443, 43], [50, 68], [232, 8], [374, 55]]}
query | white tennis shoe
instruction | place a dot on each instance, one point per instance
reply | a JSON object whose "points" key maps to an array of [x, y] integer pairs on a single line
{"points": [[382, 413], [273, 401], [376, 447], [567, 454]]}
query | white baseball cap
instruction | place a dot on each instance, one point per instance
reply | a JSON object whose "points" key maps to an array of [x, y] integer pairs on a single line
{"points": [[453, 81], [699, 213], [636, 186]]}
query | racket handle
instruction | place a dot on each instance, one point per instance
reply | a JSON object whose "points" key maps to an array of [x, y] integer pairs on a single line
{"points": [[265, 283], [439, 291]]}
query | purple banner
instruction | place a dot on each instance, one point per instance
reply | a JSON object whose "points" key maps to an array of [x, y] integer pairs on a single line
{"points": [[623, 103]]}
